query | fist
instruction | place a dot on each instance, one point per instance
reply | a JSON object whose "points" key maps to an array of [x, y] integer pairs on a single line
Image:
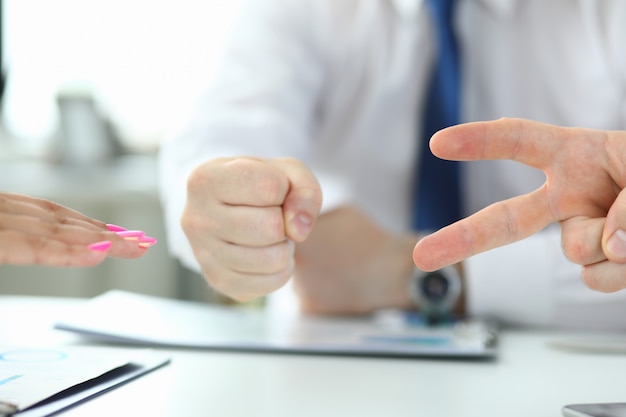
{"points": [[242, 217]]}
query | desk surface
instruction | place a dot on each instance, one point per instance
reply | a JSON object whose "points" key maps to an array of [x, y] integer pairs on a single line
{"points": [[530, 378]]}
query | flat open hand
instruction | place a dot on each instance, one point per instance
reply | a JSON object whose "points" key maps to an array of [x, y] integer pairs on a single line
{"points": [[40, 232], [585, 175]]}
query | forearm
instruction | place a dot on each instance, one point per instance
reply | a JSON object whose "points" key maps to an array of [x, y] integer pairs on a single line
{"points": [[349, 265]]}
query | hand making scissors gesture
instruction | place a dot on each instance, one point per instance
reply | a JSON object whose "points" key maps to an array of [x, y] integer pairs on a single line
{"points": [[585, 176]]}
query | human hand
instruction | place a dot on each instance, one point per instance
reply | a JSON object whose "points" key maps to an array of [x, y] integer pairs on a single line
{"points": [[585, 177], [242, 218], [349, 265], [40, 232]]}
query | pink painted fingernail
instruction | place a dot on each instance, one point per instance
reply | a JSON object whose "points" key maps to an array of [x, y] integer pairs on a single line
{"points": [[100, 246], [115, 228], [147, 241], [131, 234]]}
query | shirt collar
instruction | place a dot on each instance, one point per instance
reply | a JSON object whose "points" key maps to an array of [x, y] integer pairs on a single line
{"points": [[503, 7]]}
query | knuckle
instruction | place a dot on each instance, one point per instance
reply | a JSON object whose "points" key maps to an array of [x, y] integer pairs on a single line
{"points": [[193, 222], [188, 222], [38, 244], [292, 162], [604, 277], [575, 250], [278, 258], [593, 280], [198, 179], [262, 227], [203, 177], [56, 210], [55, 229], [270, 190], [38, 248], [267, 185], [276, 226]]}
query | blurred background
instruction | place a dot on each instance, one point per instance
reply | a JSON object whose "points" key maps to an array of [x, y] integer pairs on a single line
{"points": [[89, 91]]}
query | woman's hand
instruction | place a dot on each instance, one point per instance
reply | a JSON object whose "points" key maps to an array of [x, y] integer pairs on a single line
{"points": [[35, 231]]}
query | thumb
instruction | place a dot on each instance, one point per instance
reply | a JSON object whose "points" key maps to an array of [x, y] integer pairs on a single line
{"points": [[303, 200], [614, 234]]}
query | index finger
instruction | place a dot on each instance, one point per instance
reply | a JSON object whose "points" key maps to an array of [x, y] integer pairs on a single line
{"points": [[45, 210], [525, 141], [496, 225]]}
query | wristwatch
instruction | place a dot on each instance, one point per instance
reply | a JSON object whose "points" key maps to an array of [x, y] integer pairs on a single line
{"points": [[436, 293]]}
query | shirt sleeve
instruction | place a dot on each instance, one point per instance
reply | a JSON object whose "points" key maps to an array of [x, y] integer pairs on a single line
{"points": [[531, 283], [261, 103]]}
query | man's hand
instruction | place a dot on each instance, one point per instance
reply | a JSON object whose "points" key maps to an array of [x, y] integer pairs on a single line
{"points": [[34, 231], [242, 218], [585, 175]]}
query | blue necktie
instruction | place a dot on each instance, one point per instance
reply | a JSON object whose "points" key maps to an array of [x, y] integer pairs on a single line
{"points": [[437, 194]]}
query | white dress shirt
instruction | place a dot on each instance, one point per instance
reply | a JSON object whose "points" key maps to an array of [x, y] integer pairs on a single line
{"points": [[337, 84]]}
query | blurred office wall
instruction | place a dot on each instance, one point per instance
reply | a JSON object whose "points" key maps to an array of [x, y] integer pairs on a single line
{"points": [[144, 60], [123, 74]]}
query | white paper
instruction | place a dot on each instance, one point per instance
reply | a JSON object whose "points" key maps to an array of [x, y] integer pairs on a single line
{"points": [[155, 321], [29, 375]]}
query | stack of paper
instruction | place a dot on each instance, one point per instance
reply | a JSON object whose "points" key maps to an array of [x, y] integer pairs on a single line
{"points": [[155, 321]]}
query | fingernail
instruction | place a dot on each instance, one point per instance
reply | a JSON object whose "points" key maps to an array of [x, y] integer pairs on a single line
{"points": [[131, 234], [616, 245], [302, 225], [100, 246], [115, 228], [147, 241]]}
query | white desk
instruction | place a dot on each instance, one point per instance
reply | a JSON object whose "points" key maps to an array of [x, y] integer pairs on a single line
{"points": [[530, 379]]}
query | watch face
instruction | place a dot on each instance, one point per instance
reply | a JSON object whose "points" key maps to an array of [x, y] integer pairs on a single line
{"points": [[435, 286]]}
